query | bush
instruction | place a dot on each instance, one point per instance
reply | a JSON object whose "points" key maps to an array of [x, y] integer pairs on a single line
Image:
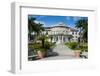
{"points": [[38, 46], [84, 48], [72, 45], [47, 45], [35, 46]]}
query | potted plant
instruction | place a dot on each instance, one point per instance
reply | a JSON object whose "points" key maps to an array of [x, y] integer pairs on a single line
{"points": [[77, 52], [76, 48], [39, 50], [40, 53]]}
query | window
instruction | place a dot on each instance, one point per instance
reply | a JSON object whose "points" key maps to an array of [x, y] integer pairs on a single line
{"points": [[46, 32], [76, 33], [73, 33]]}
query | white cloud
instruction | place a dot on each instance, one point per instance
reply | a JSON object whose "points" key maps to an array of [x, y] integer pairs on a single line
{"points": [[73, 18], [40, 17], [68, 18], [76, 18], [40, 22]]}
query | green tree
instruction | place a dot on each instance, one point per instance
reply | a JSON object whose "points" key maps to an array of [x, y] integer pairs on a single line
{"points": [[39, 28], [31, 26], [43, 38], [34, 27], [82, 25]]}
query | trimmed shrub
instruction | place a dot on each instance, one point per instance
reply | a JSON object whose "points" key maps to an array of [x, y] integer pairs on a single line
{"points": [[84, 48], [47, 45], [73, 45]]}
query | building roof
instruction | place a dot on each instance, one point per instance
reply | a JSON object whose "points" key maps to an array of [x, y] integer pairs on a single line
{"points": [[61, 24]]}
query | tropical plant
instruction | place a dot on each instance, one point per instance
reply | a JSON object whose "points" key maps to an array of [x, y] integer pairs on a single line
{"points": [[82, 25], [73, 45], [39, 27], [31, 26], [47, 45], [34, 27], [43, 38]]}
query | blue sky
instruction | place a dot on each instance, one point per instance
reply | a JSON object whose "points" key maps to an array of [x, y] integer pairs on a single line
{"points": [[52, 20]]}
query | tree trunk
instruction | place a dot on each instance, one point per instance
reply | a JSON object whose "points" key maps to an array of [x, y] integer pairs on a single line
{"points": [[43, 43]]}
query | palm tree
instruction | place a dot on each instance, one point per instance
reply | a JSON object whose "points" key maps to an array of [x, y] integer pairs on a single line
{"points": [[43, 39], [31, 26], [34, 27], [82, 25], [39, 28]]}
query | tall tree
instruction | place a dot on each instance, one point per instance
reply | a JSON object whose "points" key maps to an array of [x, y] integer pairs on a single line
{"points": [[39, 28], [34, 27], [82, 24], [31, 26], [43, 38]]}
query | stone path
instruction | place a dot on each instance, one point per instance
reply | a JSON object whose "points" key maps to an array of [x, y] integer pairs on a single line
{"points": [[63, 53], [63, 50]]}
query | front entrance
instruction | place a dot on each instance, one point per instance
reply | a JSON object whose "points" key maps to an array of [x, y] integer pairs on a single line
{"points": [[60, 39]]}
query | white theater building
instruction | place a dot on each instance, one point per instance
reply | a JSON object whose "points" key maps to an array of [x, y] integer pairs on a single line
{"points": [[61, 33]]}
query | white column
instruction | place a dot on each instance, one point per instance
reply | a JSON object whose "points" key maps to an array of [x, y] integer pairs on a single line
{"points": [[66, 39], [62, 39], [53, 38], [58, 39]]}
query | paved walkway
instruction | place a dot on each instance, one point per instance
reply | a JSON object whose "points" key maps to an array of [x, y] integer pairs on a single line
{"points": [[63, 53], [63, 50]]}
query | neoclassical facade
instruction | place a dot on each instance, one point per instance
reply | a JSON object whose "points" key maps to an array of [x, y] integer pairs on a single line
{"points": [[60, 33]]}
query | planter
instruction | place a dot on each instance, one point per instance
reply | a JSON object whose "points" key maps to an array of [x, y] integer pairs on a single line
{"points": [[40, 54], [77, 53]]}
